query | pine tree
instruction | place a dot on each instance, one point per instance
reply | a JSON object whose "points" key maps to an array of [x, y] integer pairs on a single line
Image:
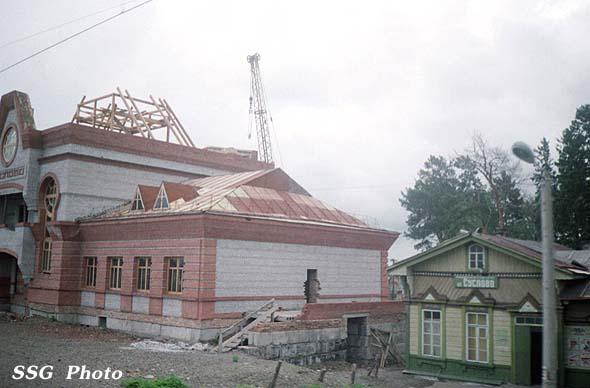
{"points": [[572, 201], [443, 201], [543, 163]]}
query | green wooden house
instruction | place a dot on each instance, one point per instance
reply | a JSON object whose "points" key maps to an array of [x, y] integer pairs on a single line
{"points": [[475, 310]]}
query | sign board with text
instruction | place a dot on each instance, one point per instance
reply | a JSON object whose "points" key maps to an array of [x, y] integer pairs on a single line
{"points": [[472, 281]]}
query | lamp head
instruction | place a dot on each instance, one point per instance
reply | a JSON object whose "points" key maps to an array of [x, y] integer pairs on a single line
{"points": [[523, 152]]}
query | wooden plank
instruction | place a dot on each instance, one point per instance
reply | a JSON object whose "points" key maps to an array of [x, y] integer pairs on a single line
{"points": [[149, 131], [175, 124], [129, 111], [322, 375], [182, 130], [77, 114], [168, 124], [273, 383]]}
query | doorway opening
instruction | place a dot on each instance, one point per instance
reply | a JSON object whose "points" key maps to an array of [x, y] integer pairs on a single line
{"points": [[536, 355], [357, 339], [528, 349], [8, 275]]}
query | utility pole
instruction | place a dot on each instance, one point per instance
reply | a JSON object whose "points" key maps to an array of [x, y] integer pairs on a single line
{"points": [[549, 305], [524, 153], [258, 110]]}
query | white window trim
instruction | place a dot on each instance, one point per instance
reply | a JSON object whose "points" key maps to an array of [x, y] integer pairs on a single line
{"points": [[118, 269], [440, 345], [147, 270], [477, 338], [138, 194], [162, 193], [483, 257]]}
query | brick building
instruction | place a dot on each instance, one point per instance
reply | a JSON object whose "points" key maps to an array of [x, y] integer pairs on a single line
{"points": [[105, 225]]}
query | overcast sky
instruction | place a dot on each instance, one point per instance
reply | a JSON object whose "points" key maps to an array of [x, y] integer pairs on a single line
{"points": [[361, 92]]}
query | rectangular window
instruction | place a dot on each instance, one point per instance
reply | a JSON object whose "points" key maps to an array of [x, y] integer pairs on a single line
{"points": [[144, 265], [115, 272], [477, 338], [529, 321], [476, 257], [91, 272], [431, 333], [175, 268]]}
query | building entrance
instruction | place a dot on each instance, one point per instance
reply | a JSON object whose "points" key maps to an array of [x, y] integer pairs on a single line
{"points": [[528, 349], [7, 280]]}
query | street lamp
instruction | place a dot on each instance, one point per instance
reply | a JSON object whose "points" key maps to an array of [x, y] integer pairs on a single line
{"points": [[526, 154]]}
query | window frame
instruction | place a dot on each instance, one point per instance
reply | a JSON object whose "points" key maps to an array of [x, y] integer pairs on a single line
{"points": [[138, 199], [50, 201], [478, 255], [477, 337], [46, 252], [90, 271], [118, 269], [176, 273], [162, 196], [431, 321], [143, 272]]}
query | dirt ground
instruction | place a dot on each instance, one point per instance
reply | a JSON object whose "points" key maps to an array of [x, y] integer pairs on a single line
{"points": [[39, 341]]}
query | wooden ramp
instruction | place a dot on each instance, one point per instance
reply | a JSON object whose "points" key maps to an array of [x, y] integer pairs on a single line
{"points": [[263, 314]]}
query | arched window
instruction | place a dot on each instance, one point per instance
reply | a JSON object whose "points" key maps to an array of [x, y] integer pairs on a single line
{"points": [[49, 196], [476, 257]]}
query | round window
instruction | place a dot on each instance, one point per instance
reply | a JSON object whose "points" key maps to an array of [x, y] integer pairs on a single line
{"points": [[9, 142]]}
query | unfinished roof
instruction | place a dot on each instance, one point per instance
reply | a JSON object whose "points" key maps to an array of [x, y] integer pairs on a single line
{"points": [[120, 112], [265, 193]]}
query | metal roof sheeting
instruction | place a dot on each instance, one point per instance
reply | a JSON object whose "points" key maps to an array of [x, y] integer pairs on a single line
{"points": [[232, 194]]}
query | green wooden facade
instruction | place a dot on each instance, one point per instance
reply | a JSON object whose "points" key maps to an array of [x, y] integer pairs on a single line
{"points": [[504, 344]]}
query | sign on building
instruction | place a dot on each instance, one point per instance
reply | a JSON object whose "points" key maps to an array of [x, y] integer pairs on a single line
{"points": [[578, 346], [469, 281]]}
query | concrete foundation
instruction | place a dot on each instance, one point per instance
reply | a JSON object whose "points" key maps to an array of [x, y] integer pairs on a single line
{"points": [[300, 347]]}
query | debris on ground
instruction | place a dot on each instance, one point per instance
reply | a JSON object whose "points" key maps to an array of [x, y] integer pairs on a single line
{"points": [[168, 347]]}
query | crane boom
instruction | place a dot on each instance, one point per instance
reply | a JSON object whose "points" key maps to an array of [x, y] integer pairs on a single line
{"points": [[258, 110]]}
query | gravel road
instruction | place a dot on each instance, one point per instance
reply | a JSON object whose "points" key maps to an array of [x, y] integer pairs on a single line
{"points": [[39, 341]]}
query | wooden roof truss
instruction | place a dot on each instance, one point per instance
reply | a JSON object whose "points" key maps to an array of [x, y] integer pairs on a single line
{"points": [[120, 112]]}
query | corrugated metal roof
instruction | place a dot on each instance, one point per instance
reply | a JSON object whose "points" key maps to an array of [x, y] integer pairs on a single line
{"points": [[564, 257], [575, 257], [226, 181], [232, 194]]}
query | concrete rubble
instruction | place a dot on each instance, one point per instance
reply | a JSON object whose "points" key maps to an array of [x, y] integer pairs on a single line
{"points": [[168, 347]]}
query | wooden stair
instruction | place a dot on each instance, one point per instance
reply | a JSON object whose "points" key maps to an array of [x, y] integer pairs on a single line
{"points": [[263, 314]]}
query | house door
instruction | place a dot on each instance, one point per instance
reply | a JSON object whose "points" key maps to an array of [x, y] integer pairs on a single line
{"points": [[536, 355], [528, 351]]}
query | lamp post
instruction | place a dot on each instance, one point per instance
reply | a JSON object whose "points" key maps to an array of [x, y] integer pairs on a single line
{"points": [[524, 153]]}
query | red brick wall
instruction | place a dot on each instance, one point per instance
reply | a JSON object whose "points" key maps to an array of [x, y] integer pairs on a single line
{"points": [[316, 311], [218, 226], [192, 237]]}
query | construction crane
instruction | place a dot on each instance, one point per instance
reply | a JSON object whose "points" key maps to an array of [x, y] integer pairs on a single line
{"points": [[258, 111]]}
